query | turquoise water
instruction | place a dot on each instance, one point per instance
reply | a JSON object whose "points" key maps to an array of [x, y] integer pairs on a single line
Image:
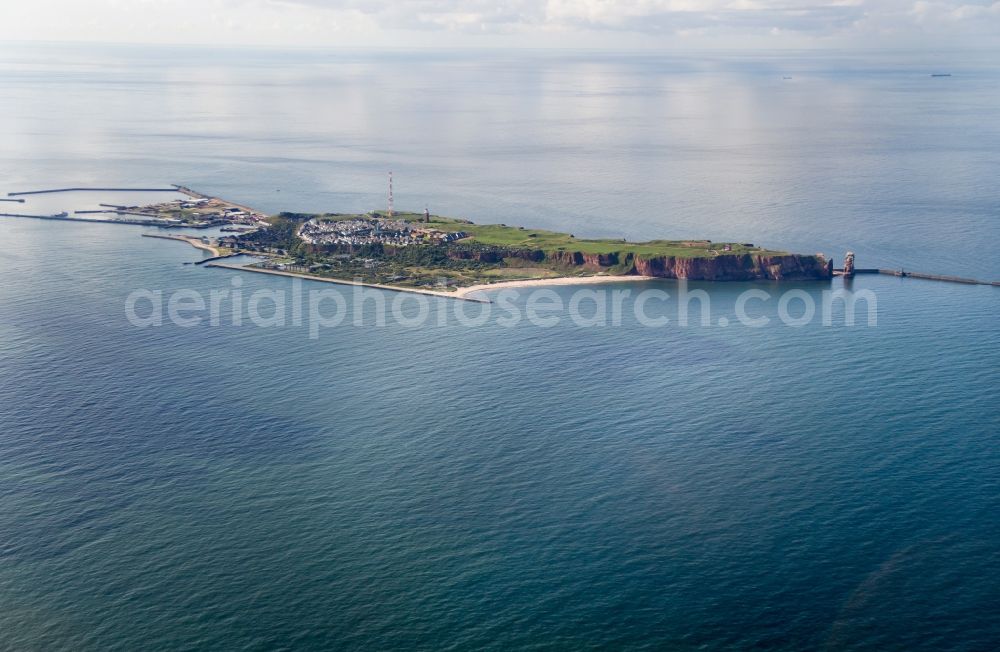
{"points": [[489, 487]]}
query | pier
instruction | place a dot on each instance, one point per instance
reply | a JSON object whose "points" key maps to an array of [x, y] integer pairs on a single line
{"points": [[184, 190], [197, 244], [118, 212], [55, 190], [936, 277], [194, 194], [905, 274], [191, 240], [20, 201], [37, 217], [151, 219], [94, 220], [126, 213]]}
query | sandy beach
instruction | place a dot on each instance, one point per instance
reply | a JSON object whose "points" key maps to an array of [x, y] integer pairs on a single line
{"points": [[471, 293], [548, 282], [194, 241]]}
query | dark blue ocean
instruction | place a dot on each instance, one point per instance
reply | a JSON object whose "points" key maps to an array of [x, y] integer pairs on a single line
{"points": [[464, 487]]}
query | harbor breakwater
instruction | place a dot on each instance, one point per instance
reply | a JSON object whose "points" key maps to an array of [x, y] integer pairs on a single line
{"points": [[55, 190], [902, 273]]}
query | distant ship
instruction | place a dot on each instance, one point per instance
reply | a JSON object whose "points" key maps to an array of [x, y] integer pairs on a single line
{"points": [[940, 74]]}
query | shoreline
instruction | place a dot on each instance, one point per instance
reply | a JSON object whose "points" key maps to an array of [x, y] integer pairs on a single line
{"points": [[192, 240], [547, 282], [461, 294], [338, 281]]}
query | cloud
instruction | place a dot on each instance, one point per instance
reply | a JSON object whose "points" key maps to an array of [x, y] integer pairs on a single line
{"points": [[672, 15], [571, 23], [434, 14], [652, 16], [809, 18], [952, 12]]}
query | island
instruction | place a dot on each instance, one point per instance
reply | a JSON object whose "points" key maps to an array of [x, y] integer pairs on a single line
{"points": [[421, 252], [407, 250]]}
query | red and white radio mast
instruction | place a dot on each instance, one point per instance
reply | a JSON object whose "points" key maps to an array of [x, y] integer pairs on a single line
{"points": [[390, 194]]}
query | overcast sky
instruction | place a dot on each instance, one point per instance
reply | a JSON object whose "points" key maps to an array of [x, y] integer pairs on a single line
{"points": [[511, 23]]}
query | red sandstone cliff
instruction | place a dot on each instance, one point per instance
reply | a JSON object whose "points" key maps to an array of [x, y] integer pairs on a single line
{"points": [[724, 267], [736, 267], [578, 259]]}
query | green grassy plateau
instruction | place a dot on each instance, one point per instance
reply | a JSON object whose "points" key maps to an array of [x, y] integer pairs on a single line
{"points": [[519, 237]]}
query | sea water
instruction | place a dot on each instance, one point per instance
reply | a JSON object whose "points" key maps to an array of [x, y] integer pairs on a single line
{"points": [[455, 486]]}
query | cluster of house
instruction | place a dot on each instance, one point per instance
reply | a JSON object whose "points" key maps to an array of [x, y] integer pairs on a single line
{"points": [[235, 215], [372, 231], [214, 211], [285, 266], [438, 236]]}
